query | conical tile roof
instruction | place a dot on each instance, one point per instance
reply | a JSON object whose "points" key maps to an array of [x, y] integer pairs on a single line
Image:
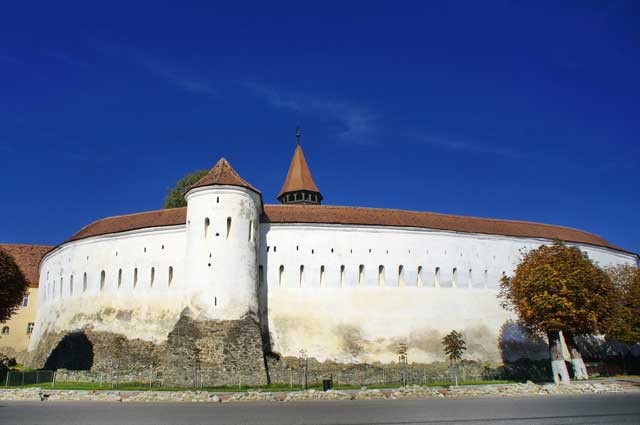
{"points": [[299, 176], [223, 174]]}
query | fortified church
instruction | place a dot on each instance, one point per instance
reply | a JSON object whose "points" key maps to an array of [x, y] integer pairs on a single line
{"points": [[234, 284]]}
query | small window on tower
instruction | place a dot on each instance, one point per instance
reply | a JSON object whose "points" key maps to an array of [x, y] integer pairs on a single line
{"points": [[30, 327]]}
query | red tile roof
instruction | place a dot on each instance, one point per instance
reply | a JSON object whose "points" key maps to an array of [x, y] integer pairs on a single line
{"points": [[299, 176], [27, 257], [123, 223], [223, 174], [325, 214]]}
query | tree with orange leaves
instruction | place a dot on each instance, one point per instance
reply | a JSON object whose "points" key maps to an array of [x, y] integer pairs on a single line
{"points": [[557, 288]]}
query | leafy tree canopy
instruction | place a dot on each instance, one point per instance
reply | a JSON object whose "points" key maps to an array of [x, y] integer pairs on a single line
{"points": [[175, 197], [13, 286], [558, 288], [454, 345], [624, 324]]}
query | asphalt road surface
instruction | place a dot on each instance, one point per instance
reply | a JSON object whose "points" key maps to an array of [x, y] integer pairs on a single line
{"points": [[588, 409]]}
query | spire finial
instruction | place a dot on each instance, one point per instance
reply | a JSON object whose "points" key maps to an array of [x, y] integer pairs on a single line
{"points": [[298, 135]]}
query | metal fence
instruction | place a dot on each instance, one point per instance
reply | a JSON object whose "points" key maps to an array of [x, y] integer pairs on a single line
{"points": [[17, 379], [362, 375]]}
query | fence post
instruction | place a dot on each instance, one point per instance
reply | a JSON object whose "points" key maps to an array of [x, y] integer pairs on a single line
{"points": [[23, 373], [53, 384], [6, 384], [37, 377], [239, 382]]}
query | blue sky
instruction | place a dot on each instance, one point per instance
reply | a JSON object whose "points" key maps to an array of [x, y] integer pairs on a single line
{"points": [[507, 109]]}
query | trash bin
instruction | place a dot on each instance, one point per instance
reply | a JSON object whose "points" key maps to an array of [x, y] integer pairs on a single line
{"points": [[327, 384]]}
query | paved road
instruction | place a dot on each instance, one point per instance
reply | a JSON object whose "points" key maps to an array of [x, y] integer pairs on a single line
{"points": [[592, 409]]}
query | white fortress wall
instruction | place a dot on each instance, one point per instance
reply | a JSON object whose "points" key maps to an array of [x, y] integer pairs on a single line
{"points": [[135, 284], [355, 292]]}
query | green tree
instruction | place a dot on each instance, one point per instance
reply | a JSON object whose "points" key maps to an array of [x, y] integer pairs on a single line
{"points": [[175, 197], [454, 346], [13, 286], [557, 288], [624, 324]]}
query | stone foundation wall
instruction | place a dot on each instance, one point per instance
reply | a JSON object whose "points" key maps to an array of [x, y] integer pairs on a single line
{"points": [[209, 352]]}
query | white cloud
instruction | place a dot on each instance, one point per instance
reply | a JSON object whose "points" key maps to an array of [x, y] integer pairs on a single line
{"points": [[354, 123]]}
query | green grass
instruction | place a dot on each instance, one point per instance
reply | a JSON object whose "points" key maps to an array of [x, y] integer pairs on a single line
{"points": [[273, 387]]}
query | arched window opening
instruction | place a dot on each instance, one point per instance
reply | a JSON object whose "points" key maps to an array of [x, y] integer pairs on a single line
{"points": [[419, 276], [153, 277], [301, 275], [170, 279], [71, 285], [401, 275], [84, 282], [135, 277], [454, 279], [103, 278], [260, 275], [361, 274], [250, 230], [342, 268], [207, 223], [281, 276], [485, 278], [5, 330], [217, 199], [437, 280], [119, 278], [228, 226], [381, 275], [470, 280], [321, 275]]}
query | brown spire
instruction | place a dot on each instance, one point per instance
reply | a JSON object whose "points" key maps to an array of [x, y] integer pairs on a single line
{"points": [[223, 174], [299, 186]]}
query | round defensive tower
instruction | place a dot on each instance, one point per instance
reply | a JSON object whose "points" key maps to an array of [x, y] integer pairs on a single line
{"points": [[223, 218]]}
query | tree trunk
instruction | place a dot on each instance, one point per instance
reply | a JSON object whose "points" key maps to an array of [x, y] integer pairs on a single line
{"points": [[558, 367], [579, 369]]}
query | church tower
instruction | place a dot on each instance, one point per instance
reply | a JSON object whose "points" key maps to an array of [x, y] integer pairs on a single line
{"points": [[299, 187]]}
